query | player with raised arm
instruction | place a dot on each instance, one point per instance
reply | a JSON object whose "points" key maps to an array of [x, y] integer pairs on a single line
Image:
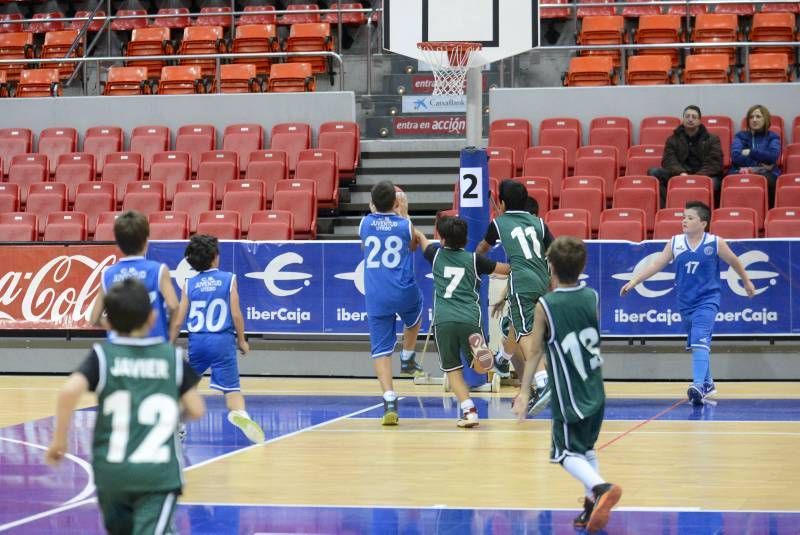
{"points": [[216, 328], [525, 239], [457, 312], [142, 385], [566, 319], [696, 255], [390, 288]]}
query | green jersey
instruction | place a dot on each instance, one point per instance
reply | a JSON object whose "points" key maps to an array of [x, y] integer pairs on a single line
{"points": [[573, 354], [139, 382], [457, 280], [523, 236]]}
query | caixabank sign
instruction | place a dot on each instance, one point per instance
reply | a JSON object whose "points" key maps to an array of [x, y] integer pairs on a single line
{"points": [[317, 287]]}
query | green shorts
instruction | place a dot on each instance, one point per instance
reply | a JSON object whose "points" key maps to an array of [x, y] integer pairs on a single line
{"points": [[577, 438], [137, 513], [520, 308], [452, 340]]}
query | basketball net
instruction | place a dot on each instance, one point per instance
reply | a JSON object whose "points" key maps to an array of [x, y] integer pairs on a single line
{"points": [[450, 61]]}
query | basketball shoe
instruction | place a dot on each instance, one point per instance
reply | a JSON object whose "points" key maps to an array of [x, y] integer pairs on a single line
{"points": [[390, 416], [251, 430], [606, 497], [468, 418]]}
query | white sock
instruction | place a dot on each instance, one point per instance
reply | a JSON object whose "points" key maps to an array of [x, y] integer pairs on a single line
{"points": [[580, 469], [591, 457], [467, 404], [406, 354], [502, 355], [389, 395], [540, 378]]}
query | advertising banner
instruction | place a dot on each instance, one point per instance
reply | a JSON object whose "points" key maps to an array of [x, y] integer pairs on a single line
{"points": [[317, 287]]}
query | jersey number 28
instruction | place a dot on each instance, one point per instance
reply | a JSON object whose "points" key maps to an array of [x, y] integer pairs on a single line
{"points": [[385, 254]]}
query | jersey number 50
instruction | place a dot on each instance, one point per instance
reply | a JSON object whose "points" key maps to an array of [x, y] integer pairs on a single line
{"points": [[212, 319]]}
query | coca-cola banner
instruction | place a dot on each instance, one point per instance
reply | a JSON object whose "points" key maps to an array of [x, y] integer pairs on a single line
{"points": [[318, 286]]}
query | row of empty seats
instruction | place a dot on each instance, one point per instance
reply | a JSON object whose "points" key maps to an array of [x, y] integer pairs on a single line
{"points": [[611, 131], [173, 225], [612, 7], [290, 139], [243, 197]]}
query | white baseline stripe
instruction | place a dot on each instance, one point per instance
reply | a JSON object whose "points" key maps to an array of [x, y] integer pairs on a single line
{"points": [[548, 431], [45, 514]]}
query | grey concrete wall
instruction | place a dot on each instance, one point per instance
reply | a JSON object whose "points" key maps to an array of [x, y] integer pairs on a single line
{"points": [[177, 110], [637, 102]]}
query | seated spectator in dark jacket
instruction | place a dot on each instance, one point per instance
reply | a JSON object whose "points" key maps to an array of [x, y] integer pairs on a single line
{"points": [[690, 150], [757, 149]]}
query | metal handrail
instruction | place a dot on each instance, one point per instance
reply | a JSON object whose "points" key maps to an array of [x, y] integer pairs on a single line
{"points": [[656, 3], [217, 57]]}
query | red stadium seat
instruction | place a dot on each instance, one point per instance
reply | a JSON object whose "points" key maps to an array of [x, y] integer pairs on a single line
{"points": [[27, 169], [222, 224], [569, 222], [791, 157], [707, 69], [540, 189], [716, 27], [53, 142], [126, 25], [602, 30], [622, 224], [655, 29], [144, 197], [649, 70], [74, 169], [45, 198], [196, 139], [253, 17], [656, 130], [38, 83], [9, 197], [18, 226], [638, 192], [549, 161], [681, 189], [45, 22], [351, 19], [768, 67], [291, 78], [598, 11], [122, 168], [222, 18], [345, 138], [311, 37], [584, 192], [590, 71], [14, 141], [56, 45], [614, 132], [218, 167], [202, 40], [783, 223], [256, 38], [669, 223], [94, 198], [181, 80], [305, 13], [787, 190], [243, 139], [562, 132], [722, 127], [321, 166], [104, 231], [269, 167], [643, 157], [193, 198], [127, 81], [501, 162], [239, 78], [734, 223], [300, 198], [271, 225], [168, 225], [148, 140], [15, 45], [65, 226], [148, 42], [598, 160], [100, 141], [245, 197], [180, 21], [292, 138], [774, 27], [170, 168], [512, 133], [744, 190]]}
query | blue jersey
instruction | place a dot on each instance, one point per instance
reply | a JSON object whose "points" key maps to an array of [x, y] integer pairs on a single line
{"points": [[696, 272], [209, 294], [389, 282], [149, 273]]}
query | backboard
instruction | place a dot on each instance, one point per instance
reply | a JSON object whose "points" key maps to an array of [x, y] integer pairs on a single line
{"points": [[504, 27]]}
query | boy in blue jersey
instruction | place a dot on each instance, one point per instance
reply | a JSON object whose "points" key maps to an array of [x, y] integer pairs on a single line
{"points": [[216, 328], [390, 288], [696, 256], [131, 231]]}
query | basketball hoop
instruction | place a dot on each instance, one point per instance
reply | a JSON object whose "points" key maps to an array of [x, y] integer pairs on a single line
{"points": [[449, 61]]}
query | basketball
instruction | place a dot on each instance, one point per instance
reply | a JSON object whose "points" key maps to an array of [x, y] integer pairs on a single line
{"points": [[399, 193]]}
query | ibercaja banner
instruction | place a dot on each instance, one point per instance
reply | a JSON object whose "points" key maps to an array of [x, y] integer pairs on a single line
{"points": [[317, 287]]}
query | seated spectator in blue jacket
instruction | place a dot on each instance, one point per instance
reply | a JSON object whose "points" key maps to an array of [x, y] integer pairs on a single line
{"points": [[757, 150]]}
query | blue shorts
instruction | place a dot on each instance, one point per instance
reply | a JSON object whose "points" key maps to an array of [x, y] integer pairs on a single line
{"points": [[699, 325], [382, 333], [218, 352]]}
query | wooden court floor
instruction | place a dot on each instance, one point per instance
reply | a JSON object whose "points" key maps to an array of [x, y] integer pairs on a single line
{"points": [[661, 456]]}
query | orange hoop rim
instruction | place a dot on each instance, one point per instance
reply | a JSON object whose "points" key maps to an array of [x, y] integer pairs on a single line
{"points": [[441, 46]]}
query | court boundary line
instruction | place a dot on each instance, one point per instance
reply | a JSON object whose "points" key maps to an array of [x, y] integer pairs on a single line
{"points": [[641, 424], [68, 506]]}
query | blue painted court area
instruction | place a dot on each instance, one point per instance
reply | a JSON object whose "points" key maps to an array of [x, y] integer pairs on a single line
{"points": [[29, 488]]}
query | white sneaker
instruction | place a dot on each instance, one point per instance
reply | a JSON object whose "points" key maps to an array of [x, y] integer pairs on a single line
{"points": [[251, 430], [469, 418], [182, 432]]}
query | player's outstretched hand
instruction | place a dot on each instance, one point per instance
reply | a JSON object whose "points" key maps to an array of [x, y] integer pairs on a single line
{"points": [[55, 453], [520, 405], [244, 347], [625, 289], [749, 288]]}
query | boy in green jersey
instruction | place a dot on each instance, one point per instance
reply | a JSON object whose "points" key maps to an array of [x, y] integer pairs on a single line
{"points": [[456, 306], [525, 239], [141, 384], [567, 319]]}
